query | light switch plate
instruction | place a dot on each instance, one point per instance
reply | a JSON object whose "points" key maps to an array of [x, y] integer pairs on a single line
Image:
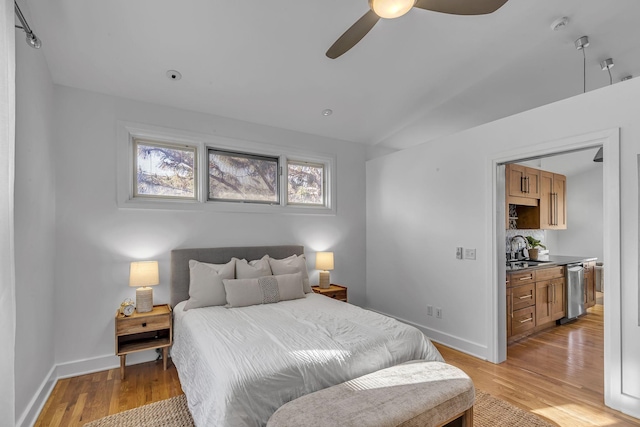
{"points": [[469, 254], [459, 252]]}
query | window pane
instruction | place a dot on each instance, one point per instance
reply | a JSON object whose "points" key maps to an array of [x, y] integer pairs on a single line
{"points": [[243, 177], [164, 170], [306, 183]]}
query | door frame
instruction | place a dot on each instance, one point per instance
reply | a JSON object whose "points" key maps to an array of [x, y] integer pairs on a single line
{"points": [[609, 139]]}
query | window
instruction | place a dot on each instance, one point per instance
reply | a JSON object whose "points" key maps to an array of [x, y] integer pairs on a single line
{"points": [[164, 170], [305, 183], [240, 177], [160, 168]]}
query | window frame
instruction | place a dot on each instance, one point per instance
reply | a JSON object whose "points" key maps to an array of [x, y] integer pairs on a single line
{"points": [[127, 131], [135, 141], [276, 159], [324, 203]]}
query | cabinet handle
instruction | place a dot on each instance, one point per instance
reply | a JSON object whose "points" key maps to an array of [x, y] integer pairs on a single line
{"points": [[144, 325], [525, 296], [512, 306], [528, 185], [522, 184], [550, 294], [526, 278], [530, 319], [555, 295], [556, 208]]}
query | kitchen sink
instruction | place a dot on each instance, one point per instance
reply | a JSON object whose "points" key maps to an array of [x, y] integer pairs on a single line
{"points": [[525, 263]]}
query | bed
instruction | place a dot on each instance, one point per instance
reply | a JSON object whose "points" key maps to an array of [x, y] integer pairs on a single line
{"points": [[237, 366]]}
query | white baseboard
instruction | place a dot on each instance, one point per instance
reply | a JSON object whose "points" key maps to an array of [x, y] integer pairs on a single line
{"points": [[469, 347], [73, 369]]}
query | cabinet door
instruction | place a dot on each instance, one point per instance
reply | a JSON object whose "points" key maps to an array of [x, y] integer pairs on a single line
{"points": [[560, 195], [509, 312], [523, 181], [589, 284], [544, 300], [546, 200], [558, 290]]}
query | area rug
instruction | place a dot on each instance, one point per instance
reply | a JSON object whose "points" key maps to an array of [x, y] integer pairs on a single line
{"points": [[488, 411]]}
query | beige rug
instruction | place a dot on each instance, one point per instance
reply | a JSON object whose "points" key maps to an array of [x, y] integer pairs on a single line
{"points": [[488, 411]]}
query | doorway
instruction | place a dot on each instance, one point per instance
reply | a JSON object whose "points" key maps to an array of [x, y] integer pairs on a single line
{"points": [[609, 140]]}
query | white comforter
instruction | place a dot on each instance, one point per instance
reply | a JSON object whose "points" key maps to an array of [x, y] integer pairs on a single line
{"points": [[238, 365]]}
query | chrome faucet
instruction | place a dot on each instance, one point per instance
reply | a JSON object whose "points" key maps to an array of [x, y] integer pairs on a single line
{"points": [[515, 253]]}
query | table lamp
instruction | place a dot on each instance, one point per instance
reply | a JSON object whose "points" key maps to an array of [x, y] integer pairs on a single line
{"points": [[324, 262], [144, 274]]}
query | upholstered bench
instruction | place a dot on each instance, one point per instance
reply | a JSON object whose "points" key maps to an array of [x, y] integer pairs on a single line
{"points": [[414, 394]]}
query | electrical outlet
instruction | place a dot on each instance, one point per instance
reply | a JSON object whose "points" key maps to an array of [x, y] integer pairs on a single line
{"points": [[429, 310], [469, 254], [459, 253], [438, 312]]}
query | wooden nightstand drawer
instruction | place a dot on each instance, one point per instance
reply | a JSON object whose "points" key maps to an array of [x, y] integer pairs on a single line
{"points": [[337, 292], [135, 325]]}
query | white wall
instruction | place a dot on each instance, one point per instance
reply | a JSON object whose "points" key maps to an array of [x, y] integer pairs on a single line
{"points": [[584, 233], [96, 241], [34, 227], [424, 201]]}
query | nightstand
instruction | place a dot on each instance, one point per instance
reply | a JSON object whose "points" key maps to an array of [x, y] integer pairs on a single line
{"points": [[144, 331], [338, 292]]}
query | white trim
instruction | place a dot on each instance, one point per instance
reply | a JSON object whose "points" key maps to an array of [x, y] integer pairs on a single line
{"points": [[610, 140], [127, 130], [473, 348], [33, 409], [74, 369]]}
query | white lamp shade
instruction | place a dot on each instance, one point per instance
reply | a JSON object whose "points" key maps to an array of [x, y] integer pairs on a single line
{"points": [[144, 273], [324, 261]]}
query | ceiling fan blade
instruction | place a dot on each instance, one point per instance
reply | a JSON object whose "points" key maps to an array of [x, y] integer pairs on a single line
{"points": [[353, 35], [461, 7]]}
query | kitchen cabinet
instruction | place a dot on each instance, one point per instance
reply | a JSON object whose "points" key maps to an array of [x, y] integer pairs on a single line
{"points": [[553, 206], [589, 284], [522, 181], [541, 206], [550, 300], [535, 300]]}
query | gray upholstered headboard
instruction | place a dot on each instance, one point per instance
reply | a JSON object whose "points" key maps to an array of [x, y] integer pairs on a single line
{"points": [[180, 262]]}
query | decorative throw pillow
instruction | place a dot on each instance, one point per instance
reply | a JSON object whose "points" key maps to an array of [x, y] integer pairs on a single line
{"points": [[205, 283], [263, 290], [252, 269], [292, 264]]}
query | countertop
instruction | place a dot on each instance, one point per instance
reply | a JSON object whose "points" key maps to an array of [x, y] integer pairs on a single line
{"points": [[556, 260]]}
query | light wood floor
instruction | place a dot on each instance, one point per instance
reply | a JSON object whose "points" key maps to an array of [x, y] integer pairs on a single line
{"points": [[557, 374]]}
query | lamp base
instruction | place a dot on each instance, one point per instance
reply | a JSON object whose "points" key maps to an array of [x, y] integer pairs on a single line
{"points": [[144, 299], [324, 280]]}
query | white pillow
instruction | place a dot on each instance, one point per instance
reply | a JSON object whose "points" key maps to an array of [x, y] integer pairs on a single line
{"points": [[292, 264], [252, 269], [263, 290], [205, 283]]}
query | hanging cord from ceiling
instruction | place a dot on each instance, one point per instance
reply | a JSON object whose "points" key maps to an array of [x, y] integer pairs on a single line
{"points": [[607, 64], [32, 39], [581, 44]]}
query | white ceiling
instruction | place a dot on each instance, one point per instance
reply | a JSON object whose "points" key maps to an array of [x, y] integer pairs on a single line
{"points": [[409, 80]]}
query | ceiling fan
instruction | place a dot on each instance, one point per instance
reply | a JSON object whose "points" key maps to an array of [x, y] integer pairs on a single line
{"points": [[396, 8]]}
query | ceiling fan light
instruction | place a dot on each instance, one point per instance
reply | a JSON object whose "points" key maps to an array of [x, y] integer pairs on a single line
{"points": [[391, 8]]}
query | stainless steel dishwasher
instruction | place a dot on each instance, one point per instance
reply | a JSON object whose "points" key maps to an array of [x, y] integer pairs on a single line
{"points": [[575, 292]]}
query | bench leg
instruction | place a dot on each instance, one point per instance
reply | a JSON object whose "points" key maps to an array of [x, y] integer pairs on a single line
{"points": [[467, 418]]}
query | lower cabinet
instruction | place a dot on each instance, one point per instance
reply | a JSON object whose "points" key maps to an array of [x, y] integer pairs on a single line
{"points": [[589, 284], [535, 300], [550, 300]]}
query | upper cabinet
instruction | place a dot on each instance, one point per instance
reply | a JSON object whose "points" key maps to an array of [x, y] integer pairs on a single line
{"points": [[538, 198], [523, 182], [553, 206]]}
